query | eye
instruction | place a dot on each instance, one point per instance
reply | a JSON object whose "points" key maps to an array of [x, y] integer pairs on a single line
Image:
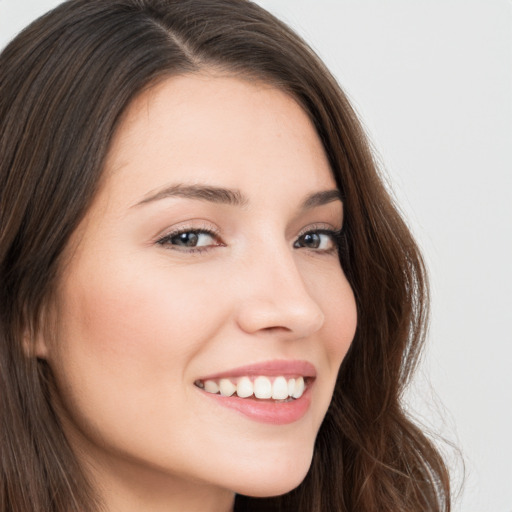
{"points": [[322, 240], [190, 239]]}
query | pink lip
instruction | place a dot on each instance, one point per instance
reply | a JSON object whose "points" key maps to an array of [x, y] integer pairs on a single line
{"points": [[267, 411], [268, 369]]}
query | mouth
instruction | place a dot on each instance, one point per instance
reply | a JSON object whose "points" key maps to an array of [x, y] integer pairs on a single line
{"points": [[276, 388], [276, 392]]}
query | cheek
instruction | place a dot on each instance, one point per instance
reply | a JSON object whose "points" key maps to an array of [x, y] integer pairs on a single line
{"points": [[125, 337], [124, 314], [341, 323], [336, 299], [124, 344], [338, 333], [333, 293]]}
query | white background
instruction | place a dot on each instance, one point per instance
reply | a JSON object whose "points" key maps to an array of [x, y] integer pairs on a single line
{"points": [[432, 82]]}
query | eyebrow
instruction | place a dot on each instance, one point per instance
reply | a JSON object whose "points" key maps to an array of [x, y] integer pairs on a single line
{"points": [[201, 193], [321, 198], [232, 197]]}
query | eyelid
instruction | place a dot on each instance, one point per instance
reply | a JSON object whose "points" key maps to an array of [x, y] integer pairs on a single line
{"points": [[320, 227], [198, 225]]}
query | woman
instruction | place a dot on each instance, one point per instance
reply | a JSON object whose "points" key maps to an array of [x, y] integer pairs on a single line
{"points": [[209, 301]]}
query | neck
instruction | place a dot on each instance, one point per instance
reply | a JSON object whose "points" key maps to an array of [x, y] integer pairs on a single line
{"points": [[127, 486], [132, 491]]}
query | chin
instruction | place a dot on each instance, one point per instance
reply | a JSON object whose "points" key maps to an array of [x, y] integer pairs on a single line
{"points": [[282, 478], [268, 489]]}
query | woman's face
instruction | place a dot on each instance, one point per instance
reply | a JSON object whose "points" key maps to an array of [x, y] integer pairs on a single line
{"points": [[208, 258]]}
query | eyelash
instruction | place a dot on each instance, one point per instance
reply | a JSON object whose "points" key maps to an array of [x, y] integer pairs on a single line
{"points": [[335, 235], [166, 240]]}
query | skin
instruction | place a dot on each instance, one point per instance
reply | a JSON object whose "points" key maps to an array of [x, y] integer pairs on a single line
{"points": [[138, 321]]}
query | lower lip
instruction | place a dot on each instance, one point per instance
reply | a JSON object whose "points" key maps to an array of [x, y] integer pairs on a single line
{"points": [[267, 411]]}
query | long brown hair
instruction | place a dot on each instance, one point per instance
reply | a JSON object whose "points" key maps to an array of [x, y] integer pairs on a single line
{"points": [[65, 81]]}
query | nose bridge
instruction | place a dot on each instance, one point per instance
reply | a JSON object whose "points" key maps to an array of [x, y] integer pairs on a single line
{"points": [[276, 296]]}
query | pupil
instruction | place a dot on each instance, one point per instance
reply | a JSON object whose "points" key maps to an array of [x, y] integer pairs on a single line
{"points": [[312, 240], [187, 239]]}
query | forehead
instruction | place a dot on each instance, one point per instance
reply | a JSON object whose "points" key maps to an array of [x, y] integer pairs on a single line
{"points": [[217, 129]]}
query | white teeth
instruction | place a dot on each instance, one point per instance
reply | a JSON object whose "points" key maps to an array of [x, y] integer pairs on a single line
{"points": [[211, 386], [262, 387], [291, 387], [227, 388], [299, 388], [280, 389], [244, 388]]}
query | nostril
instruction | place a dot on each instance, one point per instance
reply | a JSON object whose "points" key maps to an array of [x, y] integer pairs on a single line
{"points": [[276, 329]]}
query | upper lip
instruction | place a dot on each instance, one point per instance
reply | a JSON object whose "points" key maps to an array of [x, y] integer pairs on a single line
{"points": [[268, 368]]}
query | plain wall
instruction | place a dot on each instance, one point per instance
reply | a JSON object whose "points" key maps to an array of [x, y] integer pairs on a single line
{"points": [[432, 82]]}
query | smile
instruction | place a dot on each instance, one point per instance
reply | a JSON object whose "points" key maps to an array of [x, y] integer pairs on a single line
{"points": [[260, 387], [278, 392]]}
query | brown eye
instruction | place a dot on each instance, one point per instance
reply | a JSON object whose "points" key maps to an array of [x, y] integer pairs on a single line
{"points": [[190, 238], [317, 240], [310, 240]]}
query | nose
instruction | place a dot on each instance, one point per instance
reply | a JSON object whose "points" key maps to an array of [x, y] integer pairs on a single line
{"points": [[276, 298]]}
